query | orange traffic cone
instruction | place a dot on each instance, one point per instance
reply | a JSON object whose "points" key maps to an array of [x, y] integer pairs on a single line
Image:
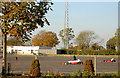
{"points": [[63, 63], [81, 63]]}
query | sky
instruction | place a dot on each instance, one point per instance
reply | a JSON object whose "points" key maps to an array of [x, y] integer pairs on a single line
{"points": [[100, 17], [85, 0]]}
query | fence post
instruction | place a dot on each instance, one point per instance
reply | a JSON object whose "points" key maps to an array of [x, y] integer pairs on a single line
{"points": [[95, 64]]}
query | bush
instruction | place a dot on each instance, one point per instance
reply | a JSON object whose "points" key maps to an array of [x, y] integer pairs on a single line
{"points": [[118, 73], [88, 74], [35, 68], [88, 69], [105, 75], [76, 74], [92, 52]]}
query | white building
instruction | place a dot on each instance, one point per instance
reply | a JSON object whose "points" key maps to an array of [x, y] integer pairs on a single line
{"points": [[22, 49]]}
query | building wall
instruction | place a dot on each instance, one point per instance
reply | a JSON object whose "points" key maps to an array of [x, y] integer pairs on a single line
{"points": [[48, 51], [22, 49], [27, 49]]}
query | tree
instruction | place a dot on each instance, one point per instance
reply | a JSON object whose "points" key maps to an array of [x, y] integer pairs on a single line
{"points": [[118, 45], [28, 43], [117, 37], [0, 42], [0, 39], [19, 19], [66, 35], [113, 42], [96, 46], [14, 42], [85, 39], [45, 39]]}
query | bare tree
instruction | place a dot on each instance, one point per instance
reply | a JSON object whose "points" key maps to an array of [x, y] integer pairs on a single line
{"points": [[85, 38], [66, 32]]}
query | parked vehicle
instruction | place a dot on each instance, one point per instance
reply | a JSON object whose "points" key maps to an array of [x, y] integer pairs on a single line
{"points": [[39, 54]]}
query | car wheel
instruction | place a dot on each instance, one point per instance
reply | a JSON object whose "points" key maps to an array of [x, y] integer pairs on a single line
{"points": [[114, 60], [103, 60]]}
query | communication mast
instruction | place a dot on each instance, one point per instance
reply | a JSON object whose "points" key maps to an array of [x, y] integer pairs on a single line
{"points": [[66, 26]]}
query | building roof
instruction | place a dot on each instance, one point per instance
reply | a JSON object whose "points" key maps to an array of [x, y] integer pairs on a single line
{"points": [[45, 47]]}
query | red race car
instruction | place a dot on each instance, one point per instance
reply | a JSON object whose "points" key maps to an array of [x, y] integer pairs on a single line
{"points": [[110, 60]]}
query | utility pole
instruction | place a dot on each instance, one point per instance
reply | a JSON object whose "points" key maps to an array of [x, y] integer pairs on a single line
{"points": [[66, 26]]}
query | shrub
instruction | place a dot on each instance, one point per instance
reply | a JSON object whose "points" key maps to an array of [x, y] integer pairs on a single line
{"points": [[89, 66], [118, 73], [105, 75], [95, 52], [35, 68], [88, 69], [76, 74], [88, 74]]}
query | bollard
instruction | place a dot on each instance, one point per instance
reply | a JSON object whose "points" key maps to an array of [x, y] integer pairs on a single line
{"points": [[9, 66], [16, 58]]}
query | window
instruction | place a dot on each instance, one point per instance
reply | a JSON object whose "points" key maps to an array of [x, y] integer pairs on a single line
{"points": [[11, 50], [16, 50], [31, 51]]}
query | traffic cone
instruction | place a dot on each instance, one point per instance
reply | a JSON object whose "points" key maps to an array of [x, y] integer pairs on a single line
{"points": [[63, 63], [81, 63]]}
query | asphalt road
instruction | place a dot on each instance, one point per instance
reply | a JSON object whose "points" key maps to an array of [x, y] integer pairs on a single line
{"points": [[54, 64]]}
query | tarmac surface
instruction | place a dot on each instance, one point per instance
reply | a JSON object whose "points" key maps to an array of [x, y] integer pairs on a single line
{"points": [[54, 64]]}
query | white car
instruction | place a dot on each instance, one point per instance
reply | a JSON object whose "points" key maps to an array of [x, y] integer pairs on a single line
{"points": [[78, 61]]}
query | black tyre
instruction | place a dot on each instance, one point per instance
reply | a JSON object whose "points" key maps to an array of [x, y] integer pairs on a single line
{"points": [[114, 60], [103, 60]]}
